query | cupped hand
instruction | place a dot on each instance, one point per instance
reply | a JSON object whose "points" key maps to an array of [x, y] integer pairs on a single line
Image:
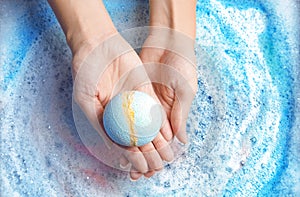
{"points": [[170, 62], [101, 69]]}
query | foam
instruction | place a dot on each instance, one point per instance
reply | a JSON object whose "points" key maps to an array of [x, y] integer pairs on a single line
{"points": [[238, 130]]}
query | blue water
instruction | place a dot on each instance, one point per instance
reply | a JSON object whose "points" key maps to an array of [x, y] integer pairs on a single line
{"points": [[243, 125]]}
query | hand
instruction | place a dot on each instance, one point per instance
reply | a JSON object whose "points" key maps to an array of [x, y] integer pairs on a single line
{"points": [[171, 66], [170, 60], [103, 68]]}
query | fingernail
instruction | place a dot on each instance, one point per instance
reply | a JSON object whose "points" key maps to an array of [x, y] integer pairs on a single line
{"points": [[133, 180], [123, 167], [169, 162], [182, 143]]}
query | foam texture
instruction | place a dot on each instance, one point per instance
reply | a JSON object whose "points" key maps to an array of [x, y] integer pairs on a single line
{"points": [[243, 126]]}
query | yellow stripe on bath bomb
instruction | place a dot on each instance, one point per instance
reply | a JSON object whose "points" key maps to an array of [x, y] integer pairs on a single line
{"points": [[132, 118]]}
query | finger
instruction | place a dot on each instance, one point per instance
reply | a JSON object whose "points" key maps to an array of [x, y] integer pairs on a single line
{"points": [[93, 110], [134, 174], [163, 148], [149, 174], [184, 95], [178, 122], [166, 131], [152, 156], [137, 159]]}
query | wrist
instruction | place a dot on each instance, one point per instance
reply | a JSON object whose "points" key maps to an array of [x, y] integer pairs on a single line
{"points": [[89, 33], [179, 15], [82, 20], [89, 28]]}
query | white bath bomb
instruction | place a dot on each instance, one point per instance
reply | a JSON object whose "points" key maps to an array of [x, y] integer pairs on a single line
{"points": [[132, 118]]}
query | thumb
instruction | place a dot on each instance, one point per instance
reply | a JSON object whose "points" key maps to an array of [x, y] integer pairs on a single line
{"points": [[179, 114], [93, 110]]}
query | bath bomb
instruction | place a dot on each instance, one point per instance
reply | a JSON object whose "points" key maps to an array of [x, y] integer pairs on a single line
{"points": [[132, 118]]}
